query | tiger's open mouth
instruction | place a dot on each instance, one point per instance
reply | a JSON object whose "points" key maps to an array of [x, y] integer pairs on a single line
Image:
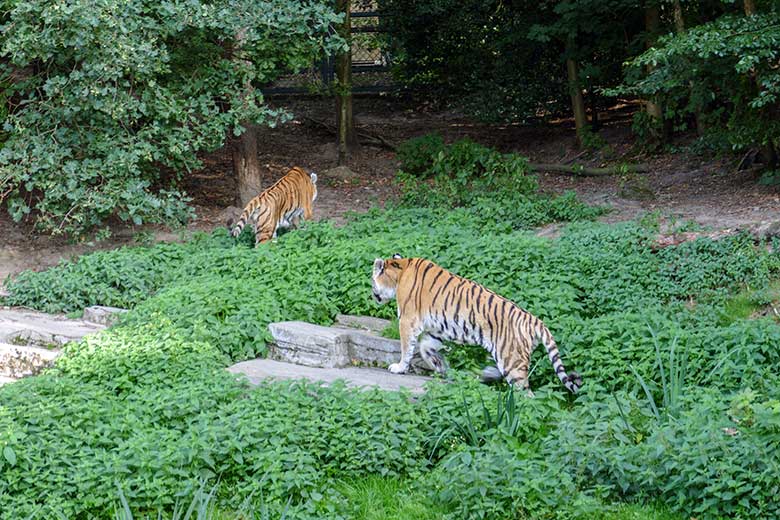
{"points": [[377, 297]]}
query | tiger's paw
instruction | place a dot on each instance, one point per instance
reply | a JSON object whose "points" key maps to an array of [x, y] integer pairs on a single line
{"points": [[397, 368]]}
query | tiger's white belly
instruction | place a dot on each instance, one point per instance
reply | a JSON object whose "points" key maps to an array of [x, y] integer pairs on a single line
{"points": [[287, 219]]}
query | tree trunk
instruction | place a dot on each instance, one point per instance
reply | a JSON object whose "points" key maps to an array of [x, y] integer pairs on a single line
{"points": [[346, 138], [750, 7], [652, 26], [679, 26], [679, 22], [577, 101], [246, 163]]}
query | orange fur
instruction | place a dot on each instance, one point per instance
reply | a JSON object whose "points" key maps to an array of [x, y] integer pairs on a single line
{"points": [[280, 206], [435, 305]]}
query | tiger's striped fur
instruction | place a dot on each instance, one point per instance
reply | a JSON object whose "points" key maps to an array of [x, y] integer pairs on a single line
{"points": [[435, 305], [280, 206]]}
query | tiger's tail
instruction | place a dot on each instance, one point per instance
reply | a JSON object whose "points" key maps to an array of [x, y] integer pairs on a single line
{"points": [[572, 381]]}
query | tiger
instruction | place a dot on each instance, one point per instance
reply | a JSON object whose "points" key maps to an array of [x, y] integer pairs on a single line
{"points": [[280, 206], [435, 305]]}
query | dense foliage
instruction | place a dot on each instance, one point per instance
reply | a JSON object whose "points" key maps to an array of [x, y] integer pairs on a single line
{"points": [[680, 402], [726, 71], [475, 54], [496, 186], [108, 93], [706, 65]]}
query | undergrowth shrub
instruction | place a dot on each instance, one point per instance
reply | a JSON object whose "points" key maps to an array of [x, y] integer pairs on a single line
{"points": [[460, 172], [151, 397], [417, 155]]}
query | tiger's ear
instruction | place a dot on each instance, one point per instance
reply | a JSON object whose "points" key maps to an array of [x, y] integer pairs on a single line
{"points": [[313, 178], [379, 265], [397, 256]]}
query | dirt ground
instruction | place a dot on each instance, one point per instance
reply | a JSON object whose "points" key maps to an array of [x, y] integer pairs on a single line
{"points": [[680, 186]]}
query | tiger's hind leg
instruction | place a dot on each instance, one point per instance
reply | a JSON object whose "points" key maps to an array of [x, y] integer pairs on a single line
{"points": [[264, 233], [429, 349]]}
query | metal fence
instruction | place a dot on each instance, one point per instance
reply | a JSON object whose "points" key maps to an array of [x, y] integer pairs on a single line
{"points": [[371, 60]]}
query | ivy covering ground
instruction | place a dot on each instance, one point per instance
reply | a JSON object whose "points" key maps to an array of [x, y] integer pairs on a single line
{"points": [[680, 403]]}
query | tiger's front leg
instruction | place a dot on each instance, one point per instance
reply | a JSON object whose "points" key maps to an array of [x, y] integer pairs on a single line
{"points": [[410, 331]]}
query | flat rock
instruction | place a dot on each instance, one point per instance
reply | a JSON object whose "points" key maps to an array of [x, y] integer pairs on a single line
{"points": [[5, 380], [20, 361], [258, 370], [367, 323], [25, 327], [102, 315], [334, 347]]}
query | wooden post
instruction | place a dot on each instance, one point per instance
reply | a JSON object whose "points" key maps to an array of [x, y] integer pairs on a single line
{"points": [[246, 163], [346, 138]]}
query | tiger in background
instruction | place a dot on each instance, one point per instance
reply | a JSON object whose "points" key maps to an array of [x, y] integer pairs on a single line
{"points": [[280, 206], [435, 305]]}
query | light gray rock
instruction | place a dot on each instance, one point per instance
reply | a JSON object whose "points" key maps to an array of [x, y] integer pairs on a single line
{"points": [[334, 347], [20, 361], [258, 370], [5, 380], [24, 327], [368, 323], [311, 345], [102, 315]]}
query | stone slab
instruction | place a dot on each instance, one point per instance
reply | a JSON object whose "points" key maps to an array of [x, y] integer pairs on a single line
{"points": [[20, 326], [258, 370], [334, 347], [367, 323], [5, 380], [102, 315], [308, 344], [20, 361]]}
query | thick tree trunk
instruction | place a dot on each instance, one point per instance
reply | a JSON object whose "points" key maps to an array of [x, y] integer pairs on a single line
{"points": [[346, 138], [246, 164], [750, 7], [577, 101]]}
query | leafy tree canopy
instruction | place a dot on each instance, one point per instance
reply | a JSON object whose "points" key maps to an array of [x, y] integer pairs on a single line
{"points": [[107, 92]]}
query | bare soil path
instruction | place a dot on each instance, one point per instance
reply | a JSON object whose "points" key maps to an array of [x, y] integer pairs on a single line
{"points": [[680, 186]]}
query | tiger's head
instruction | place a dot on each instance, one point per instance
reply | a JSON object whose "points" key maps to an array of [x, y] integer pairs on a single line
{"points": [[384, 280]]}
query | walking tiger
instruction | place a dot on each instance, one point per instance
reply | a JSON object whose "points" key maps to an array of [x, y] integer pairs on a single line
{"points": [[280, 206], [435, 305]]}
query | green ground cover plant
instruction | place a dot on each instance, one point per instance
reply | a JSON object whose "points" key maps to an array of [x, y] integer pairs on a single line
{"points": [[680, 406]]}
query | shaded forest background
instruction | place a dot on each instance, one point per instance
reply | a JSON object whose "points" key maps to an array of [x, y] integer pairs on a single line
{"points": [[108, 109]]}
